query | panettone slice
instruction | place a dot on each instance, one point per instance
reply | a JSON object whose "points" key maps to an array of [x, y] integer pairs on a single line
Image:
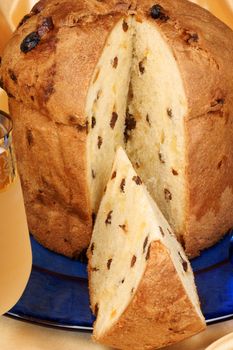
{"points": [[141, 283]]}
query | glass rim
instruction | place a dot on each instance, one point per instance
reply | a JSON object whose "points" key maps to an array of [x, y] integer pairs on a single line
{"points": [[8, 128]]}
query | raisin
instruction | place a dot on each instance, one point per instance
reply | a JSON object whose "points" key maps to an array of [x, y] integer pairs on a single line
{"points": [[157, 12], [94, 269], [24, 19], [115, 62], [72, 119], [125, 26], [130, 93], [93, 218], [122, 185], [93, 174], [161, 230], [46, 26], [48, 22], [30, 137], [167, 194], [174, 172], [109, 264], [123, 280], [113, 175], [108, 220], [38, 7], [185, 266], [132, 290], [145, 244], [49, 90], [113, 119], [184, 263], [216, 105], [169, 112], [123, 227], [92, 248], [93, 122], [30, 42], [130, 121], [82, 127], [137, 180], [190, 37], [220, 101], [137, 165], [141, 67], [133, 261], [194, 38], [161, 158], [148, 253], [96, 309], [100, 141], [220, 164], [148, 120], [170, 232], [12, 75], [130, 124]]}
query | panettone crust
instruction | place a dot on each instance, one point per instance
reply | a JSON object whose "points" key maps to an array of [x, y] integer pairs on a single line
{"points": [[160, 310]]}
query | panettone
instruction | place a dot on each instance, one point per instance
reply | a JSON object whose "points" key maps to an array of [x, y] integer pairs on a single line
{"points": [[155, 77]]}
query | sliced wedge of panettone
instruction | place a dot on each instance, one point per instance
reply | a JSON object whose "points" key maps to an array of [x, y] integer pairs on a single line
{"points": [[141, 283]]}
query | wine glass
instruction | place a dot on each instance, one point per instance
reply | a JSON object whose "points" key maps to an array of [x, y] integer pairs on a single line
{"points": [[15, 249]]}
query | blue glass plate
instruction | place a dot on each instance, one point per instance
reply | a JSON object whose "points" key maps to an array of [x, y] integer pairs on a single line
{"points": [[57, 292]]}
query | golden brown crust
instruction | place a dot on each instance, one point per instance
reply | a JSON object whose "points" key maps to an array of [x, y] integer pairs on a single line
{"points": [[54, 77], [209, 175], [160, 312], [58, 212]]}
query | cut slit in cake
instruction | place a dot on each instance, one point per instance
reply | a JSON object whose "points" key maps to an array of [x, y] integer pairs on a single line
{"points": [[141, 283]]}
